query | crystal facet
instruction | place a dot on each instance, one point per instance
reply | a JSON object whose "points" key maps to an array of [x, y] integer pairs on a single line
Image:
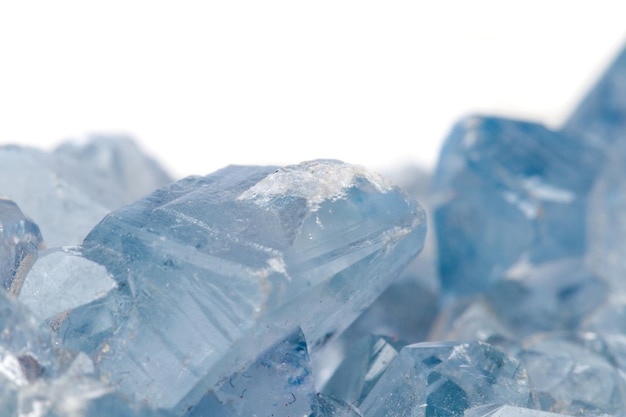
{"points": [[445, 379]]}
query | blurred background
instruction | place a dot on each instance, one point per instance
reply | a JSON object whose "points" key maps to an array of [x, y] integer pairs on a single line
{"points": [[205, 84]]}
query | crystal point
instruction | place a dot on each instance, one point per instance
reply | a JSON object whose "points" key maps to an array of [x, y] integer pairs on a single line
{"points": [[245, 254], [21, 241], [445, 379]]}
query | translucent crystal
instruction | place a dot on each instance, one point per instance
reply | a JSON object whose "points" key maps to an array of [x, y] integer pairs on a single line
{"points": [[362, 367], [19, 245], [328, 406], [60, 280], [552, 296], [244, 254], [508, 192], [601, 115], [507, 411], [69, 191], [278, 383], [571, 376], [77, 393], [445, 379], [129, 173]]}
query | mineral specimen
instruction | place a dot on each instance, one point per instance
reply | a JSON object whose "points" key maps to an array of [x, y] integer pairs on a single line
{"points": [[211, 269], [269, 291]]}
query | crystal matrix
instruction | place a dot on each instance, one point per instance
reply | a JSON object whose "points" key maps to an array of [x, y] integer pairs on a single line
{"points": [[211, 269]]}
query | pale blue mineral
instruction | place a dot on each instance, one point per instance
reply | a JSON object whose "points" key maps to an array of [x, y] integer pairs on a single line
{"points": [[551, 296], [127, 172], [574, 375], [508, 192], [26, 354], [601, 115], [362, 366], [20, 241], [62, 279], [507, 411], [69, 191], [211, 271], [77, 393], [444, 379], [279, 383]]}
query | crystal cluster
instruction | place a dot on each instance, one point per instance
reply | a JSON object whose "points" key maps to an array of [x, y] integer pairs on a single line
{"points": [[298, 290]]}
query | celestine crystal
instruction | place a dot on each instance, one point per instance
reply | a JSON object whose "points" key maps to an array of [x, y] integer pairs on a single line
{"points": [[269, 291]]}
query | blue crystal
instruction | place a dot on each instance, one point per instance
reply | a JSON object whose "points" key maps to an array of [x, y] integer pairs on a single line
{"points": [[69, 191], [244, 254], [19, 245], [445, 379], [556, 295], [507, 192], [60, 280], [572, 376], [362, 367], [601, 115], [279, 382], [492, 410]]}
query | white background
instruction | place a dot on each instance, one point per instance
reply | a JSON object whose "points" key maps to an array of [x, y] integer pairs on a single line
{"points": [[205, 84]]}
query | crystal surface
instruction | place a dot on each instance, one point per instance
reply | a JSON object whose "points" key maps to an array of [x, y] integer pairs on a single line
{"points": [[571, 376], [21, 241], [69, 191], [279, 382], [507, 411], [445, 379], [601, 115], [62, 279], [244, 254], [552, 296], [361, 368], [508, 192]]}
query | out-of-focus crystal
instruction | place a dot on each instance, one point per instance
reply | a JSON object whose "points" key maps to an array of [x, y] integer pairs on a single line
{"points": [[69, 191], [507, 192], [244, 254], [551, 296], [20, 241], [601, 115], [445, 379]]}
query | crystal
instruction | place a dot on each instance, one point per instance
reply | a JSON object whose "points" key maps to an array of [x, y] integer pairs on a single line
{"points": [[130, 174], [361, 369], [552, 296], [279, 383], [507, 192], [571, 377], [601, 115], [244, 254], [445, 379], [69, 191], [60, 280], [496, 410], [21, 241]]}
